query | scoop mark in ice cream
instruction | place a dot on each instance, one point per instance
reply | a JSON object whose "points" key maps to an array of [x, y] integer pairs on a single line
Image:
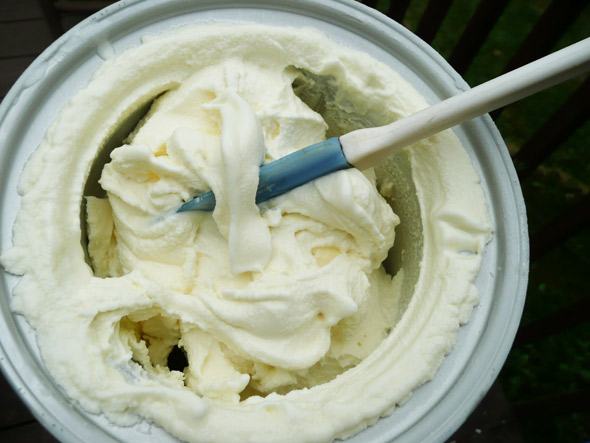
{"points": [[280, 319]]}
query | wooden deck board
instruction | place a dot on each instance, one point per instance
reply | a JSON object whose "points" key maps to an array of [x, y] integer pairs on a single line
{"points": [[16, 421], [30, 432], [24, 38], [492, 421], [11, 69], [13, 411], [13, 10]]}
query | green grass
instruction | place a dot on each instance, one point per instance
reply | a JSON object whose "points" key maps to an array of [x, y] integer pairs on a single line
{"points": [[560, 363]]}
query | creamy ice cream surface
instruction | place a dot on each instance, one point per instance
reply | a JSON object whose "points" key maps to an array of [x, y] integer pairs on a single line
{"points": [[297, 318]]}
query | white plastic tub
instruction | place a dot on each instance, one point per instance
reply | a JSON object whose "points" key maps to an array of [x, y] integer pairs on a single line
{"points": [[436, 409]]}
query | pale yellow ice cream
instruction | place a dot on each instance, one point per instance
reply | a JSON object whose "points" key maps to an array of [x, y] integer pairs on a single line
{"points": [[289, 321]]}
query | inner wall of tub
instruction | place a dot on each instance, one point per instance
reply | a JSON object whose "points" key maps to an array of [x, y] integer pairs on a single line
{"points": [[394, 176], [92, 188]]}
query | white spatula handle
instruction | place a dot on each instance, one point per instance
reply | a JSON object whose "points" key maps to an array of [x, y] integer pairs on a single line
{"points": [[367, 147]]}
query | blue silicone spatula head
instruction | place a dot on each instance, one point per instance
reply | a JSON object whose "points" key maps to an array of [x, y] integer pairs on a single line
{"points": [[286, 173]]}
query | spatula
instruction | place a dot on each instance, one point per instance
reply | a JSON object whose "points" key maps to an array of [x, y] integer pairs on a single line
{"points": [[365, 148]]}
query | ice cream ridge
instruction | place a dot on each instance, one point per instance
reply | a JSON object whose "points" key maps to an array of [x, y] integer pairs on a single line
{"points": [[297, 319]]}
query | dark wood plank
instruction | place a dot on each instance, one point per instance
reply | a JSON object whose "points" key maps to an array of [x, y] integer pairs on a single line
{"points": [[12, 10], [52, 17], [62, 15], [432, 18], [33, 38], [68, 21], [31, 432], [562, 123], [492, 421], [13, 411], [479, 27], [88, 7], [10, 71]]}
